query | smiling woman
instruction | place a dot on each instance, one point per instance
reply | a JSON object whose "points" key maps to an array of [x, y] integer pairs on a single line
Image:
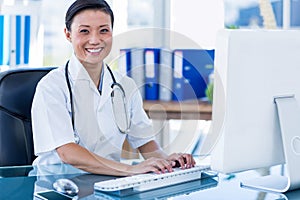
{"points": [[75, 117]]}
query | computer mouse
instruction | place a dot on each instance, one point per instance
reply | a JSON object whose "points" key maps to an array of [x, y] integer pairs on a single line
{"points": [[66, 186]]}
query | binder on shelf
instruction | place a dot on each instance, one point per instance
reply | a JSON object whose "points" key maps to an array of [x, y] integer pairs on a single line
{"points": [[27, 41], [137, 71], [151, 61], [124, 63], [5, 38], [16, 40], [18, 43], [165, 75], [192, 68]]}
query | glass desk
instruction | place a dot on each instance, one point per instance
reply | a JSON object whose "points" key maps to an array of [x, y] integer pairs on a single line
{"points": [[22, 182]]}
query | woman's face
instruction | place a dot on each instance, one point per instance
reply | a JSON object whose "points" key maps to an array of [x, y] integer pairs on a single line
{"points": [[91, 36]]}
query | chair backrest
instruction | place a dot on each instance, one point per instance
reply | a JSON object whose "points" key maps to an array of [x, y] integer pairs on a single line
{"points": [[17, 88]]}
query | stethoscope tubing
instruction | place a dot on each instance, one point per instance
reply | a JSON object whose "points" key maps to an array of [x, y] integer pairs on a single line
{"points": [[115, 83]]}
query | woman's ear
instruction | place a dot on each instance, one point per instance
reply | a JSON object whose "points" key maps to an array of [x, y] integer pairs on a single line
{"points": [[68, 34]]}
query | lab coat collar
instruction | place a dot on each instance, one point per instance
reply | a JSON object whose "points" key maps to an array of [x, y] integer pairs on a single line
{"points": [[78, 72]]}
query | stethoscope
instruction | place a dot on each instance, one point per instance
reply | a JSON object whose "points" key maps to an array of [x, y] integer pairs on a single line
{"points": [[118, 99]]}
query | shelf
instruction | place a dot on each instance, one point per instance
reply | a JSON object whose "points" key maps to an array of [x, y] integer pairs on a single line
{"points": [[178, 110]]}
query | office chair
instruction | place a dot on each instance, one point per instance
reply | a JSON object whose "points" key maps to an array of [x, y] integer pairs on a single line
{"points": [[17, 88]]}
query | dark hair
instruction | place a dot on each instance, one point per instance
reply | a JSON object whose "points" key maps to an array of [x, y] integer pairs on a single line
{"points": [[80, 5]]}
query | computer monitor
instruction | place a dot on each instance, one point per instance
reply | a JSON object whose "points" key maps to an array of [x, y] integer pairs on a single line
{"points": [[256, 98]]}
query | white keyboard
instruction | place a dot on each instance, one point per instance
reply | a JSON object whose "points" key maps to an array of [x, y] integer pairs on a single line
{"points": [[143, 182]]}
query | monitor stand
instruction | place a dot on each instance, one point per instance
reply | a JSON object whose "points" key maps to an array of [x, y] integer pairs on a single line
{"points": [[289, 119]]}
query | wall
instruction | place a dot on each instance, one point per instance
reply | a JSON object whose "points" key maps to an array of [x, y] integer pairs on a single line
{"points": [[197, 20]]}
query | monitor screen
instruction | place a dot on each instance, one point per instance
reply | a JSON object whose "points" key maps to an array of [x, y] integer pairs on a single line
{"points": [[251, 68]]}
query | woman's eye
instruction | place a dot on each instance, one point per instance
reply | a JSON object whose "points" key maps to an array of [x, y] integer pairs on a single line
{"points": [[83, 31], [104, 30]]}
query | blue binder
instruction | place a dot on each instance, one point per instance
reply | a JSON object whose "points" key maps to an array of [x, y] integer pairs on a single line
{"points": [[125, 61], [192, 68], [4, 37], [18, 39], [27, 33], [151, 60]]}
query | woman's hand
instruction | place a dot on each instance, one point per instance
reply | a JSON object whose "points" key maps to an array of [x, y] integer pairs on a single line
{"points": [[156, 165], [183, 160], [158, 161]]}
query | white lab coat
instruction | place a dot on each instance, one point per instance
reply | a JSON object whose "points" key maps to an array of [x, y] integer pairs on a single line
{"points": [[94, 117]]}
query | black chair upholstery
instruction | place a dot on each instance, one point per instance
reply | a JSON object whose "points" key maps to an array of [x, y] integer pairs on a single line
{"points": [[17, 88]]}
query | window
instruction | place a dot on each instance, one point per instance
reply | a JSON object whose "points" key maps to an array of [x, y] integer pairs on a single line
{"points": [[247, 13]]}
